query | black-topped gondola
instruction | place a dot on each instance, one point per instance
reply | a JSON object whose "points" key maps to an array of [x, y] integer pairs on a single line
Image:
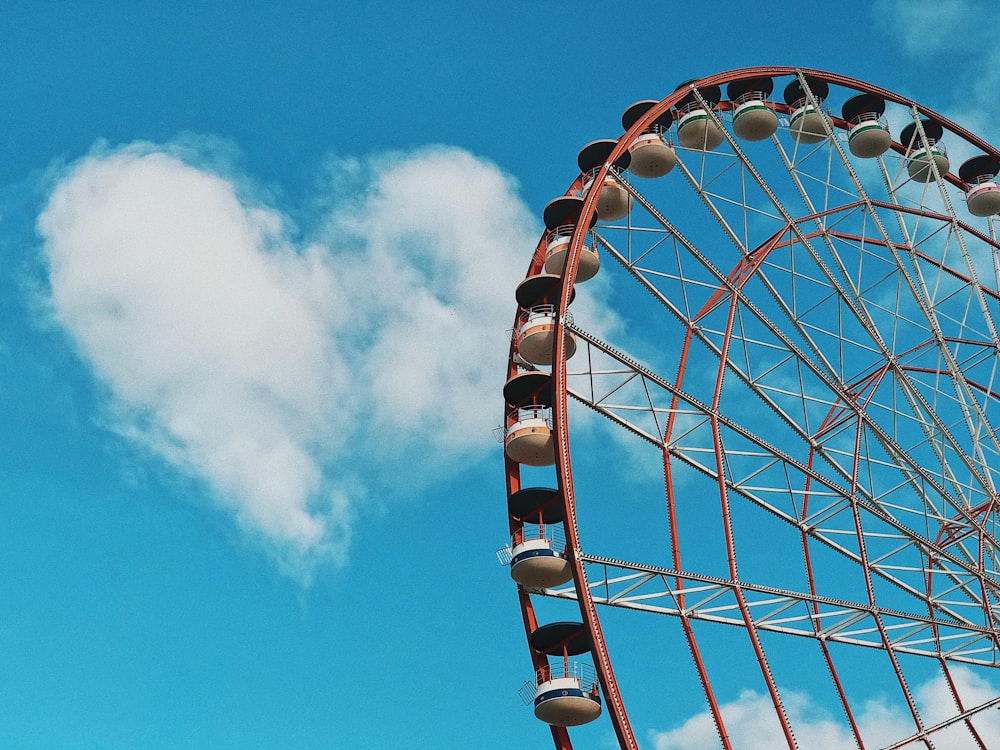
{"points": [[867, 137], [806, 122], [651, 155], [982, 194], [753, 119], [565, 694], [920, 155], [696, 127], [535, 332], [528, 432], [538, 549], [561, 215], [614, 201]]}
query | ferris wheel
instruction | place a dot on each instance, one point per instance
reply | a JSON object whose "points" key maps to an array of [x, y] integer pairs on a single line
{"points": [[761, 458]]}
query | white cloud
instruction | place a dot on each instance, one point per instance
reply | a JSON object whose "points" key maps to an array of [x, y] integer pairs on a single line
{"points": [[937, 705], [445, 244], [931, 27], [282, 374], [950, 42], [752, 724]]}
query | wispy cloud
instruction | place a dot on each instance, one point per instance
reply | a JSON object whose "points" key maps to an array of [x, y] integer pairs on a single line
{"points": [[751, 721], [951, 42], [932, 27], [285, 374]]}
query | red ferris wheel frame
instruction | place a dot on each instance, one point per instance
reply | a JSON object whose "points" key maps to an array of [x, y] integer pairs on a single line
{"points": [[564, 471]]}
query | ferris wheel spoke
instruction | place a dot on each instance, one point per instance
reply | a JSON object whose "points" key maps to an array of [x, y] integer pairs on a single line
{"points": [[861, 286], [637, 586]]}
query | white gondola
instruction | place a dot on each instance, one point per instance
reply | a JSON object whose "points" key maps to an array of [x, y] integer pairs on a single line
{"points": [[867, 134], [651, 155], [807, 123], [566, 694], [982, 195], [983, 199], [918, 163], [697, 129], [537, 557], [556, 248], [753, 118], [614, 201], [926, 158], [535, 334], [528, 437]]}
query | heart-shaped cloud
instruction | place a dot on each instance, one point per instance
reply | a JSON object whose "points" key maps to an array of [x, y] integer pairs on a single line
{"points": [[283, 373]]}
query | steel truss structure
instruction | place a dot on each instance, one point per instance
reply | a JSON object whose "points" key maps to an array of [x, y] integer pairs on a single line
{"points": [[804, 345]]}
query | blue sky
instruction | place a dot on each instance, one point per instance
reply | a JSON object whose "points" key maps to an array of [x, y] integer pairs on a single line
{"points": [[259, 265]]}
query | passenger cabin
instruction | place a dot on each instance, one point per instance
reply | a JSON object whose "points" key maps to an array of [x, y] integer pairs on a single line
{"points": [[566, 693], [753, 118], [652, 156], [534, 334], [614, 201], [982, 196], [867, 135], [806, 122], [537, 553], [528, 429], [696, 126], [926, 158], [561, 216]]}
